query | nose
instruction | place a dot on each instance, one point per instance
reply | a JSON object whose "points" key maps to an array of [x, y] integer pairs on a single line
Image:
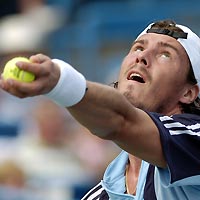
{"points": [[142, 58]]}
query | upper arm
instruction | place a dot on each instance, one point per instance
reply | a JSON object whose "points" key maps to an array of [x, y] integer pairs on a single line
{"points": [[140, 136]]}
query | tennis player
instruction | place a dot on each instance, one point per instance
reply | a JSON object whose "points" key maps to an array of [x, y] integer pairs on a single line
{"points": [[152, 113]]}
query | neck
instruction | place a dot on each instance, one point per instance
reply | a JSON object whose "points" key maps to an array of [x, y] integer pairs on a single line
{"points": [[177, 110], [135, 162], [132, 174]]}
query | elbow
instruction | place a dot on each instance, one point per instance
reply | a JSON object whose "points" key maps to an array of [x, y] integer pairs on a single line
{"points": [[112, 131], [106, 135]]}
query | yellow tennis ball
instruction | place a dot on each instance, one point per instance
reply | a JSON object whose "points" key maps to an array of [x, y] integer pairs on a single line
{"points": [[11, 71]]}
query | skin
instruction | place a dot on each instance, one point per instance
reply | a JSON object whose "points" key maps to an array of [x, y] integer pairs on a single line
{"points": [[118, 115]]}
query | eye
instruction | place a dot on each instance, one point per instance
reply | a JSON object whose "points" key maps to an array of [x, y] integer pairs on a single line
{"points": [[165, 55], [137, 48]]}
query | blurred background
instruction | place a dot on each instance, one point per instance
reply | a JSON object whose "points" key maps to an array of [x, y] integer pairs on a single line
{"points": [[44, 152]]}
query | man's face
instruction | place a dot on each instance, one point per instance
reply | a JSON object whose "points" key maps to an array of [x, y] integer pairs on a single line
{"points": [[153, 74]]}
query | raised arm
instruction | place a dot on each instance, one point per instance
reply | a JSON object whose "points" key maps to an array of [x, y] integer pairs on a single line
{"points": [[103, 110]]}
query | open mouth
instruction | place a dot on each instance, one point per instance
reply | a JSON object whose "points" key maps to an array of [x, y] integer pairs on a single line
{"points": [[136, 77]]}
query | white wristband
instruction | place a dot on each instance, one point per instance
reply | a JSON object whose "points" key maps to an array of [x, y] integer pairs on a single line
{"points": [[70, 88]]}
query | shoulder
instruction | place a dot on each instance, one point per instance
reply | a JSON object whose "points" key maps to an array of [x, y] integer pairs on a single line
{"points": [[184, 118], [177, 122]]}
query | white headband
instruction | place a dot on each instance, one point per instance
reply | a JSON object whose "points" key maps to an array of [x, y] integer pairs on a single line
{"points": [[191, 45]]}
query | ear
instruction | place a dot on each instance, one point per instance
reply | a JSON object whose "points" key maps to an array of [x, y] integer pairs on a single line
{"points": [[190, 94]]}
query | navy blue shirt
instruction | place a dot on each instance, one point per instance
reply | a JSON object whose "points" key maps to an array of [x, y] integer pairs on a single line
{"points": [[180, 139]]}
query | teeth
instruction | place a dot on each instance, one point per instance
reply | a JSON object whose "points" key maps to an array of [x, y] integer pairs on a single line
{"points": [[134, 75]]}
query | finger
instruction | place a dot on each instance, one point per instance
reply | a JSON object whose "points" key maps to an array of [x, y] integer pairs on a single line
{"points": [[39, 58], [22, 89], [3, 84], [7, 86], [16, 93], [35, 68]]}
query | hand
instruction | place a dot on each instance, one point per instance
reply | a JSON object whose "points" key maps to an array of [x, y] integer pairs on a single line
{"points": [[46, 73]]}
